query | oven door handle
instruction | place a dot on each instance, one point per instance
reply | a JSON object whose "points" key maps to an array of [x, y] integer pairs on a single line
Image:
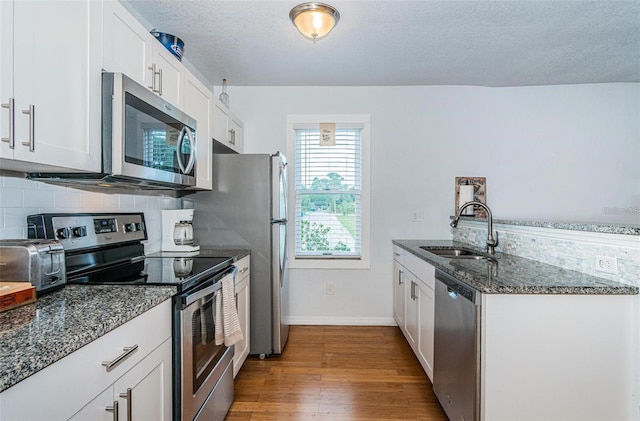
{"points": [[188, 299]]}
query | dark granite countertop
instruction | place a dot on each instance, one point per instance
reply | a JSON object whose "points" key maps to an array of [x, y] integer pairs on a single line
{"points": [[513, 275], [39, 334]]}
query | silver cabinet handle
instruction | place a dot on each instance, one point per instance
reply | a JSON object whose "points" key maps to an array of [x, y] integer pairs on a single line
{"points": [[413, 290], [153, 77], [12, 120], [128, 350], [232, 136], [243, 270], [31, 143], [113, 408], [159, 82], [400, 273], [396, 254], [127, 395]]}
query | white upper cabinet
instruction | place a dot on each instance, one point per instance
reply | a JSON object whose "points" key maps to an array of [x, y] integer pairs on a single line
{"points": [[198, 102], [227, 128], [51, 85], [127, 44], [129, 48], [169, 74]]}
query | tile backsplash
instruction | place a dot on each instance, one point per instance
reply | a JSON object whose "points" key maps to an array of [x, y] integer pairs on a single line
{"points": [[572, 250], [20, 197]]}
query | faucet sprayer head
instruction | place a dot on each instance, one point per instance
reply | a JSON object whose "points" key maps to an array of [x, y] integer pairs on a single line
{"points": [[454, 223]]}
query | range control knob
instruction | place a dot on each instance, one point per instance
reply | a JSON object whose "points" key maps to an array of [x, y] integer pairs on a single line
{"points": [[80, 231], [132, 227], [63, 233]]}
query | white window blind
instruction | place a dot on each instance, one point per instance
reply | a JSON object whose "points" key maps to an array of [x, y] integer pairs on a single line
{"points": [[328, 190]]}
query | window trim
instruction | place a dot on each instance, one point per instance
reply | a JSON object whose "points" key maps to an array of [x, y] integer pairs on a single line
{"points": [[312, 120]]}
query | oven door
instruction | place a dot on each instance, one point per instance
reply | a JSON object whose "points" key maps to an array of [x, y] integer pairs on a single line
{"points": [[150, 138], [201, 360]]}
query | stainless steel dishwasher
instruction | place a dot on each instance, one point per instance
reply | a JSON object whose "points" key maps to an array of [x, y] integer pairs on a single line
{"points": [[456, 361]]}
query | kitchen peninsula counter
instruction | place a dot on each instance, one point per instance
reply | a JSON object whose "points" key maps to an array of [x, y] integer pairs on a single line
{"points": [[509, 274]]}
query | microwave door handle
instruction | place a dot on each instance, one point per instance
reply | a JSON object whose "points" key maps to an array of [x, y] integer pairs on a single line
{"points": [[178, 146], [192, 156]]}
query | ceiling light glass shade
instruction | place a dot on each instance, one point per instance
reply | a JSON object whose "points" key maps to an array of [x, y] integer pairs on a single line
{"points": [[314, 20]]}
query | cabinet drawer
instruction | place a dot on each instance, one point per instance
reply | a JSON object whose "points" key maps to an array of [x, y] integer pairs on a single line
{"points": [[244, 268], [421, 269], [82, 373], [398, 254]]}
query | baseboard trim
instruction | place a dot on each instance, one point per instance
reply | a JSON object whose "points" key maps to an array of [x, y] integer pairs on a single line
{"points": [[343, 321]]}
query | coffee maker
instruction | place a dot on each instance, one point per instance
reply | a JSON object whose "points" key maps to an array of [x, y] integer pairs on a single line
{"points": [[177, 231]]}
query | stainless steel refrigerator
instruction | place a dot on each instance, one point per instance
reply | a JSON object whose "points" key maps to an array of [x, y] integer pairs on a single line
{"points": [[247, 208]]}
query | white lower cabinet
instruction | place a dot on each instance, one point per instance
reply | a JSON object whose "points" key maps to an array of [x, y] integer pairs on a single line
{"points": [[426, 314], [399, 285], [243, 285], [139, 386], [414, 306], [141, 394]]}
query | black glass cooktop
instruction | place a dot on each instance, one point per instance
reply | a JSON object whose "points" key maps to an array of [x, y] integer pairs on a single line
{"points": [[182, 272]]}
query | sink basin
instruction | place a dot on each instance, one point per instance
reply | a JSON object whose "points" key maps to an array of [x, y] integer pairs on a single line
{"points": [[456, 253]]}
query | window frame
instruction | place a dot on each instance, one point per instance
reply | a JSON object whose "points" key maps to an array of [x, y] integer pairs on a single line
{"points": [[331, 262]]}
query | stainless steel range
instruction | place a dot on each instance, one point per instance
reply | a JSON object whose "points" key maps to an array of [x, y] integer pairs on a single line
{"points": [[107, 248]]}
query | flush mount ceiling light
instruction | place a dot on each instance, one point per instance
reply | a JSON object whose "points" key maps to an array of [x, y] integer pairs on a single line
{"points": [[314, 20]]}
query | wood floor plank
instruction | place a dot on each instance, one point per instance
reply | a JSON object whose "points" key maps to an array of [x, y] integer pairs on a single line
{"points": [[336, 373]]}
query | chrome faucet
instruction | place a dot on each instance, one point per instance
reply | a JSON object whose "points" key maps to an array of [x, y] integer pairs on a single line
{"points": [[492, 243]]}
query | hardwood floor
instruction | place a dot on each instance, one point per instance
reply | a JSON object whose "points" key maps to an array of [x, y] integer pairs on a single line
{"points": [[337, 373]]}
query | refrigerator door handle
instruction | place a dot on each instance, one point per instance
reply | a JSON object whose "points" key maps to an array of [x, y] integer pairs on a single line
{"points": [[278, 221]]}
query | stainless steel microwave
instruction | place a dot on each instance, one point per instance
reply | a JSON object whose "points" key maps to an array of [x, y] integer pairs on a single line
{"points": [[147, 143]]}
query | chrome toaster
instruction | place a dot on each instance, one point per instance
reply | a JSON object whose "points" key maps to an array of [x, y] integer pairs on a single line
{"points": [[41, 262]]}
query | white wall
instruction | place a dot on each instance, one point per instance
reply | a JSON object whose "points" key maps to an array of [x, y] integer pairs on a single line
{"points": [[552, 152]]}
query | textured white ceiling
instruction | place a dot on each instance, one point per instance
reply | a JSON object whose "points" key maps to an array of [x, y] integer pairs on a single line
{"points": [[398, 42]]}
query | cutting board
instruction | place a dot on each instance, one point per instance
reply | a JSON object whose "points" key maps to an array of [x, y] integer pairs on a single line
{"points": [[16, 294]]}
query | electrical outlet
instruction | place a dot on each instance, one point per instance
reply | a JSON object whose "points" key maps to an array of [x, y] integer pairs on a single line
{"points": [[417, 216], [607, 264], [331, 288]]}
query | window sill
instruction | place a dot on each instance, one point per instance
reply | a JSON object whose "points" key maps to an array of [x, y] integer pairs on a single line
{"points": [[323, 263]]}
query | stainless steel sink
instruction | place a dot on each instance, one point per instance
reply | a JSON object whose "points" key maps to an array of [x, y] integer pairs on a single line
{"points": [[456, 253]]}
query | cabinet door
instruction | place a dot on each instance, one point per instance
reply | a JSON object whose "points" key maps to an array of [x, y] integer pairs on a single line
{"points": [[127, 44], [57, 83], [197, 104], [144, 392], [236, 134], [411, 309], [169, 80], [426, 318], [241, 350], [99, 409], [399, 295], [219, 122], [6, 75]]}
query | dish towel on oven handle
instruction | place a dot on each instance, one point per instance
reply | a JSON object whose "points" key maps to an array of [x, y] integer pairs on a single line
{"points": [[229, 331]]}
